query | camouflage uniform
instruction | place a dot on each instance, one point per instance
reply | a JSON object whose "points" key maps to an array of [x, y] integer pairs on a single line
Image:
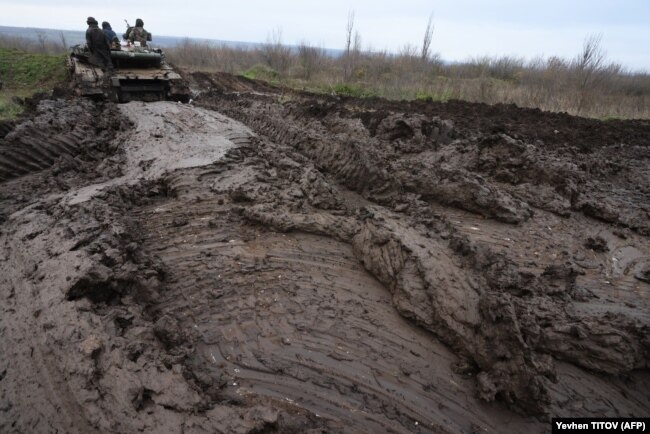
{"points": [[138, 33]]}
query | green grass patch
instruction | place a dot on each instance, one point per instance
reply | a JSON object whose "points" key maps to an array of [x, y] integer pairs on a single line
{"points": [[24, 74], [353, 90], [8, 108], [262, 72], [432, 96], [30, 70]]}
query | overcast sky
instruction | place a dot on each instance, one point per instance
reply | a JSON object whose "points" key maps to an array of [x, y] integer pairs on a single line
{"points": [[463, 28]]}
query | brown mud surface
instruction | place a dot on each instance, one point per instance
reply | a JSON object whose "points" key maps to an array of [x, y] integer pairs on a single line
{"points": [[270, 261]]}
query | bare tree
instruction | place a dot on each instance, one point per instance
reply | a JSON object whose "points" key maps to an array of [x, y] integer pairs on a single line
{"points": [[348, 32], [591, 60], [275, 53], [356, 45], [352, 47], [409, 51], [64, 42], [589, 66], [428, 38], [310, 57], [42, 39]]}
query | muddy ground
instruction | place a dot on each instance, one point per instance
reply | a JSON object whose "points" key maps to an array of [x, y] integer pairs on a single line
{"points": [[266, 260]]}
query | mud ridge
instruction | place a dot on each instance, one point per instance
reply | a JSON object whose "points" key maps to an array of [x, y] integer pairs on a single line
{"points": [[518, 379], [57, 133], [5, 127], [275, 261], [383, 154]]}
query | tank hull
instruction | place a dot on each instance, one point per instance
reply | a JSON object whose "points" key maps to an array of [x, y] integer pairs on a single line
{"points": [[137, 76]]}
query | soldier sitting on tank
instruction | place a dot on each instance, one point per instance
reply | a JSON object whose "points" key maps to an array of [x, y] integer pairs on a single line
{"points": [[138, 33], [111, 37], [100, 52]]}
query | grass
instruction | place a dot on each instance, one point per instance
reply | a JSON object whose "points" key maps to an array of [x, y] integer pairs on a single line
{"points": [[601, 90], [443, 96], [24, 74], [606, 90], [262, 72], [353, 90]]}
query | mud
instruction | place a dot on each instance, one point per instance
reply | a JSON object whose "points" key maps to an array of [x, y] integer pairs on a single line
{"points": [[273, 261]]}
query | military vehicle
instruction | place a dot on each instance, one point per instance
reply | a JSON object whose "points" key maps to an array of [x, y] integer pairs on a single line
{"points": [[141, 73]]}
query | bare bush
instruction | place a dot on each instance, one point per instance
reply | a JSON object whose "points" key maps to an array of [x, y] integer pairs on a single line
{"points": [[64, 42], [39, 45], [506, 67], [42, 39], [209, 57], [276, 55], [590, 61], [586, 85], [310, 58], [589, 68], [548, 83]]}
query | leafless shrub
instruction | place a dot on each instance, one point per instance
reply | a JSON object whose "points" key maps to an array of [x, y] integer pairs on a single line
{"points": [[310, 58], [506, 67], [38, 45], [548, 83], [409, 51], [590, 61], [587, 85], [64, 42], [42, 39], [589, 67], [209, 57], [276, 55]]}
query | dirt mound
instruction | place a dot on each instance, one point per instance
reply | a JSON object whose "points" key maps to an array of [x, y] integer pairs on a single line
{"points": [[310, 264], [553, 129], [6, 127], [58, 132], [221, 82], [514, 297]]}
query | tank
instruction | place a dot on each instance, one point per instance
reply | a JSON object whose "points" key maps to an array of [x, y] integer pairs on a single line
{"points": [[140, 74]]}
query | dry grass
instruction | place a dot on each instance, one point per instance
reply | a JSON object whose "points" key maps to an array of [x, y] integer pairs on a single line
{"points": [[41, 44], [587, 85], [579, 87]]}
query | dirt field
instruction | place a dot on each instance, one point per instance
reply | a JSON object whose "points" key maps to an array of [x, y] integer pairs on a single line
{"points": [[268, 261]]}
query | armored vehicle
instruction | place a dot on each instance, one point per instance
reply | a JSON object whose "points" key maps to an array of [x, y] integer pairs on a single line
{"points": [[140, 73]]}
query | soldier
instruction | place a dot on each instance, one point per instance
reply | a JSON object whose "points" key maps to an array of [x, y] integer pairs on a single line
{"points": [[100, 52], [111, 37], [138, 33]]}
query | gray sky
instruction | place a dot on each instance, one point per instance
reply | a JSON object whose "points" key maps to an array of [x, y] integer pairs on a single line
{"points": [[463, 28]]}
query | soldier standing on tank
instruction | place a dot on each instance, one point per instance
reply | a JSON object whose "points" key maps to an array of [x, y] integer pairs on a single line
{"points": [[100, 52], [138, 33]]}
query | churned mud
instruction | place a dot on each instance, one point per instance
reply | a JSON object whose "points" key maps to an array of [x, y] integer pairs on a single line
{"points": [[267, 260]]}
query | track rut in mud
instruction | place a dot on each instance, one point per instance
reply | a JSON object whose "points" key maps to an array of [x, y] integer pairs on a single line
{"points": [[324, 265]]}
